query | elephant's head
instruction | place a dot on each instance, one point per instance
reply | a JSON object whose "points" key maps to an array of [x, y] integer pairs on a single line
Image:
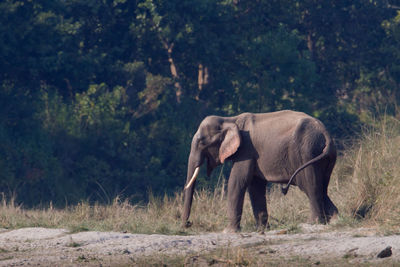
{"points": [[215, 141]]}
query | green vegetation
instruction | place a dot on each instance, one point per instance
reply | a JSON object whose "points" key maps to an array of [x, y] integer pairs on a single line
{"points": [[99, 100]]}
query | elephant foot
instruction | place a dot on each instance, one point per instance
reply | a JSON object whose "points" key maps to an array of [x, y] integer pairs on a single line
{"points": [[231, 230], [187, 224], [332, 215], [333, 218], [317, 220], [261, 228]]}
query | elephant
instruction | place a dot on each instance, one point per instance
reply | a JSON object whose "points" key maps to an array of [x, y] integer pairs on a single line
{"points": [[285, 147]]}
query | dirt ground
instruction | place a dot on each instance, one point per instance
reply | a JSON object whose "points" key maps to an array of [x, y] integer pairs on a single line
{"points": [[58, 247]]}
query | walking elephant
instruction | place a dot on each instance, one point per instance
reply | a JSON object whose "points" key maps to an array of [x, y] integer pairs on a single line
{"points": [[284, 147]]}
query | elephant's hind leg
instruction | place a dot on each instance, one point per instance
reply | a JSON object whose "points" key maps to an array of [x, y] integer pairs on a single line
{"points": [[330, 208], [257, 191], [312, 184], [317, 208]]}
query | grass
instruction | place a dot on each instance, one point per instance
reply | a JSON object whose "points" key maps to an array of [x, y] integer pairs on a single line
{"points": [[160, 216], [365, 183], [365, 186], [74, 244]]}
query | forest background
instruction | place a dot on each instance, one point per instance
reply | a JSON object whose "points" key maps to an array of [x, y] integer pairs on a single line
{"points": [[100, 99]]}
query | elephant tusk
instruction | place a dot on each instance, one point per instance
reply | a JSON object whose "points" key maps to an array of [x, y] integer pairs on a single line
{"points": [[196, 172]]}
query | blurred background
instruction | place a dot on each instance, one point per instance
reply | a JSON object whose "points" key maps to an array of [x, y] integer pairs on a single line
{"points": [[100, 99]]}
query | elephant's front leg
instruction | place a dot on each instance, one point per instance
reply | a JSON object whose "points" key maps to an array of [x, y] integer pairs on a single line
{"points": [[238, 181], [257, 191]]}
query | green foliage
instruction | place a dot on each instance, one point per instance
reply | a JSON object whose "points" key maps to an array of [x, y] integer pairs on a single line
{"points": [[275, 75], [101, 98]]}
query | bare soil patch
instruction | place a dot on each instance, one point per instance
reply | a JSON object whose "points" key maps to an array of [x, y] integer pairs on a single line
{"points": [[314, 243]]}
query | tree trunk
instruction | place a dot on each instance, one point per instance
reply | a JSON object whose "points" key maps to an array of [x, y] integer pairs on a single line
{"points": [[174, 72], [202, 78]]}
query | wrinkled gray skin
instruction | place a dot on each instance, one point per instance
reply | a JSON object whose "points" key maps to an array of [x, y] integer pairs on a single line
{"points": [[263, 148]]}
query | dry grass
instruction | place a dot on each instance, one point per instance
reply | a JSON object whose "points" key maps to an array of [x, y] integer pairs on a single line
{"points": [[366, 180], [159, 216], [365, 186]]}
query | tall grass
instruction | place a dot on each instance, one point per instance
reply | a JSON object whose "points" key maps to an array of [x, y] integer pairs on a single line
{"points": [[366, 180], [365, 186], [158, 216]]}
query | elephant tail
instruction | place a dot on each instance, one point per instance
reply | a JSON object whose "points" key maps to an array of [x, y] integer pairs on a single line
{"points": [[327, 150]]}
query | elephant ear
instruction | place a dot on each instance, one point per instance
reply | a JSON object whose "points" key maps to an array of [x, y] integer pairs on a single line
{"points": [[230, 143]]}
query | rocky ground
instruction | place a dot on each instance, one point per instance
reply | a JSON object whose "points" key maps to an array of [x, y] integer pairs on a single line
{"points": [[316, 244]]}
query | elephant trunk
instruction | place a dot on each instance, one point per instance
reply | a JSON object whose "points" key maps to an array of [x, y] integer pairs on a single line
{"points": [[193, 171]]}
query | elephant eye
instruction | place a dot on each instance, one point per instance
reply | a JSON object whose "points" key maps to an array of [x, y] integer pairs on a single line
{"points": [[204, 141], [201, 139]]}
